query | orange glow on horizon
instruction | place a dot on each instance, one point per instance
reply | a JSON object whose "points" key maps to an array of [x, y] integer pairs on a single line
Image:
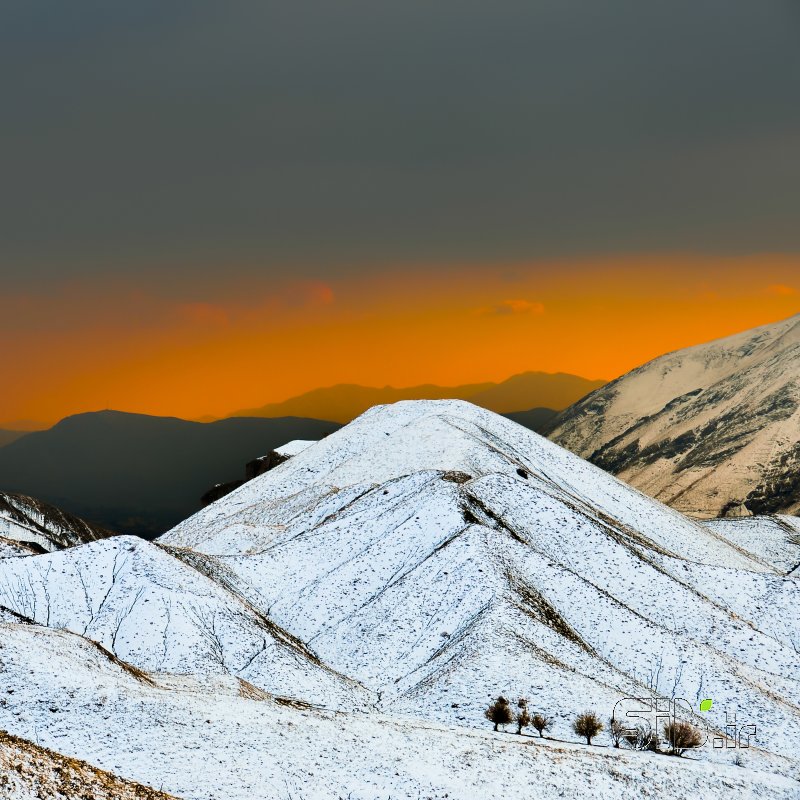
{"points": [[114, 347]]}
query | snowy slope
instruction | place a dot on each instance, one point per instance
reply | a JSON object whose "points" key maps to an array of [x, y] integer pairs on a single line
{"points": [[711, 430], [30, 772], [39, 526], [219, 739], [294, 447], [439, 554], [160, 614], [775, 540]]}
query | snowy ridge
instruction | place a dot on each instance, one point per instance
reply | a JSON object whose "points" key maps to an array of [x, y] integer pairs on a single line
{"points": [[775, 540], [28, 525], [154, 611], [294, 447], [710, 430]]}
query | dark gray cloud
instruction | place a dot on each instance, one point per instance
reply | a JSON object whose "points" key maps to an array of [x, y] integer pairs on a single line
{"points": [[175, 137]]}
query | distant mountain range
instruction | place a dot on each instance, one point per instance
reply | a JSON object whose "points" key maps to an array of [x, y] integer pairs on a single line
{"points": [[346, 401], [140, 474], [6, 437], [711, 430]]}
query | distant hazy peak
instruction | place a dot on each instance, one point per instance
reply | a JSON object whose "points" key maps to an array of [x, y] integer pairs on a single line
{"points": [[521, 392]]}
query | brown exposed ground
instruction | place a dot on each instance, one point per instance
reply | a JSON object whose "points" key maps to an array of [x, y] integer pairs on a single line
{"points": [[28, 771]]}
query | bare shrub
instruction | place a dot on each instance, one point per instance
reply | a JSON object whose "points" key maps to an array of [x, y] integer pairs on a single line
{"points": [[617, 729], [682, 736], [642, 737], [587, 725], [499, 712], [542, 723], [522, 718]]}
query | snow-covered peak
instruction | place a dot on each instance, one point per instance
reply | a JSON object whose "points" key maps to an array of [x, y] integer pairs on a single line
{"points": [[294, 447], [449, 436], [710, 430]]}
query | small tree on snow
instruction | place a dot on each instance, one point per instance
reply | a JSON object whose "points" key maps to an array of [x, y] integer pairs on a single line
{"points": [[542, 723], [522, 718], [617, 729], [682, 736], [499, 712], [587, 725], [642, 737]]}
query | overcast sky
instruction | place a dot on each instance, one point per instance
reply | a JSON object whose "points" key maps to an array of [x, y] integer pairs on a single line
{"points": [[173, 138], [209, 206]]}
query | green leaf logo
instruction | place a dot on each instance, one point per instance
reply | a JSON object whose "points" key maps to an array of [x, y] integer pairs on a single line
{"points": [[705, 705]]}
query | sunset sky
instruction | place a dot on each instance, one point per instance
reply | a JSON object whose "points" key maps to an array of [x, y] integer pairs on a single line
{"points": [[211, 206]]}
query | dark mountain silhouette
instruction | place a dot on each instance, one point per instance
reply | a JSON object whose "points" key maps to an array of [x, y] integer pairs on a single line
{"points": [[345, 402], [535, 419], [140, 474], [6, 437]]}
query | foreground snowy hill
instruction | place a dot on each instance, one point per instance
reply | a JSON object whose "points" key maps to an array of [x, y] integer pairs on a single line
{"points": [[30, 772], [342, 621], [219, 739], [29, 526], [160, 614], [438, 553], [711, 430]]}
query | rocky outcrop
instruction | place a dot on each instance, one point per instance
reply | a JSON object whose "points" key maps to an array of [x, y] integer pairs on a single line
{"points": [[256, 467], [40, 527]]}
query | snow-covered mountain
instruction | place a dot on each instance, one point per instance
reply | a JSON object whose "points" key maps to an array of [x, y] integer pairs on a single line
{"points": [[438, 553], [349, 614], [220, 739], [160, 614], [713, 430], [29, 526]]}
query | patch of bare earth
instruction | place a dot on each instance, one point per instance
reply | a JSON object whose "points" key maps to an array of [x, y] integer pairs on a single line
{"points": [[28, 771]]}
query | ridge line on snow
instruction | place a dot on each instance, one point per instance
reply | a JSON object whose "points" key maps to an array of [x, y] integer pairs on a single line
{"points": [[202, 563], [535, 605], [460, 635], [398, 576]]}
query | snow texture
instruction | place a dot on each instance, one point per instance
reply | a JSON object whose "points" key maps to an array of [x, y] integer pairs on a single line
{"points": [[337, 626]]}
